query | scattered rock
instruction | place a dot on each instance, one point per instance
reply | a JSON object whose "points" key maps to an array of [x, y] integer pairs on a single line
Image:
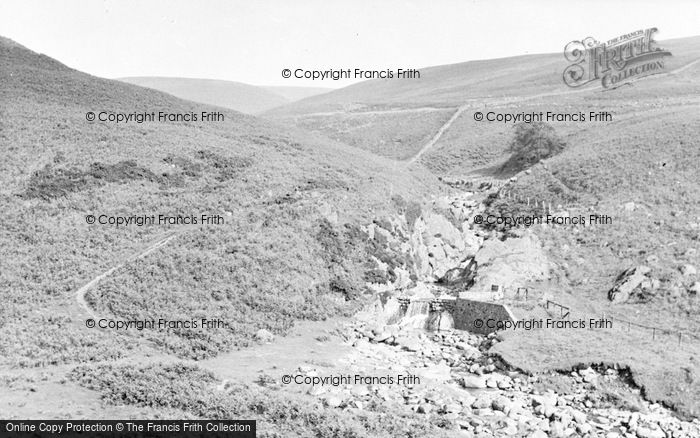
{"points": [[648, 432], [627, 282], [474, 382], [688, 270], [425, 408], [264, 336], [501, 404], [695, 288], [333, 401]]}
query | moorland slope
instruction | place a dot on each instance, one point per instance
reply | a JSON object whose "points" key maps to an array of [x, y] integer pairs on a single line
{"points": [[288, 247]]}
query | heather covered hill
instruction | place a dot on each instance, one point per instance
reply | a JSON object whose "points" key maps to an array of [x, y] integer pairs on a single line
{"points": [[290, 249], [282, 194]]}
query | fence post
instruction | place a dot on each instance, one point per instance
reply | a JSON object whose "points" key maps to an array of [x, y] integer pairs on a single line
{"points": [[653, 333]]}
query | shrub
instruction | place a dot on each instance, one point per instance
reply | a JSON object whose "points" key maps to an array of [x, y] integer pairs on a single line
{"points": [[531, 143], [227, 167], [51, 183]]}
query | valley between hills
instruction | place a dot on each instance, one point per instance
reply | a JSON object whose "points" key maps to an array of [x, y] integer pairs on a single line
{"points": [[348, 216]]}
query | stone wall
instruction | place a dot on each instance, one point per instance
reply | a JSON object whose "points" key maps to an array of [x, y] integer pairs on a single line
{"points": [[479, 316]]}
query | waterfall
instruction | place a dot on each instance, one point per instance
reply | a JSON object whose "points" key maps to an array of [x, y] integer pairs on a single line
{"points": [[417, 314]]}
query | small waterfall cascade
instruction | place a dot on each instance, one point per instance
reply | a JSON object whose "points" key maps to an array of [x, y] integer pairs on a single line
{"points": [[418, 308], [417, 314]]}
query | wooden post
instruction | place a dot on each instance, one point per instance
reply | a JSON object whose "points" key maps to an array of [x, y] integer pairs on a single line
{"points": [[653, 333]]}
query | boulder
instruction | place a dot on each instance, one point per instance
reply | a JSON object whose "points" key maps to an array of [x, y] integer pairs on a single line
{"points": [[461, 276], [649, 432], [688, 270], [468, 351], [383, 336], [473, 382], [501, 404], [333, 401], [695, 288], [627, 282], [264, 336], [425, 408]]}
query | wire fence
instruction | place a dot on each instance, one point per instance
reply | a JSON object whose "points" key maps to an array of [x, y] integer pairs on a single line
{"points": [[545, 206], [654, 332], [564, 312]]}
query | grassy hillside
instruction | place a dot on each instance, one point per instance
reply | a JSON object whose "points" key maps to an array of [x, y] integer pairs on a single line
{"points": [[645, 157], [237, 96], [266, 267], [456, 84], [245, 98], [293, 94], [358, 114], [444, 86]]}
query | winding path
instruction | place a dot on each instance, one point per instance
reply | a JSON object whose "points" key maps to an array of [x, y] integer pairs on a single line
{"points": [[80, 293]]}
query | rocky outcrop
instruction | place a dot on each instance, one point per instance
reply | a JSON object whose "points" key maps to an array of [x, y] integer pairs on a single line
{"points": [[428, 246], [509, 264], [631, 282], [438, 245], [462, 277]]}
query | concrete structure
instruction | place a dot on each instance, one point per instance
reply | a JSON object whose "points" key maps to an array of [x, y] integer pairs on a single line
{"points": [[479, 316]]}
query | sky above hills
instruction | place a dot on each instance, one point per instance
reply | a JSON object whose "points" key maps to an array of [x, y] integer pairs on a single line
{"points": [[253, 42]]}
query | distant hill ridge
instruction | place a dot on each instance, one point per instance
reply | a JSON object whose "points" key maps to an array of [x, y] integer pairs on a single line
{"points": [[249, 99], [453, 85]]}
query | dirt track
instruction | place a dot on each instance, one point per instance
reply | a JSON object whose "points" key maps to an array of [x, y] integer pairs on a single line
{"points": [[80, 293]]}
